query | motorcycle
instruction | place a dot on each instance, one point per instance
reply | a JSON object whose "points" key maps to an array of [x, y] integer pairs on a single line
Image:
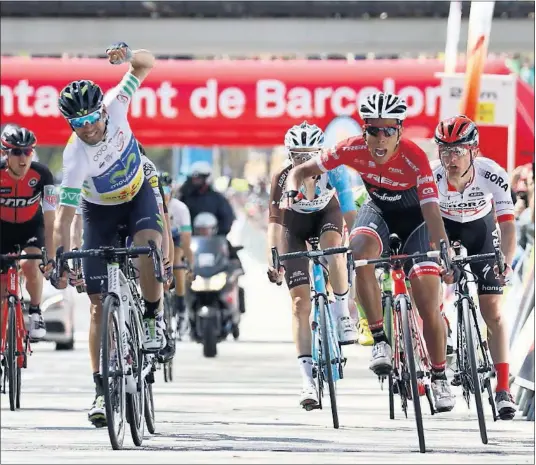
{"points": [[214, 299]]}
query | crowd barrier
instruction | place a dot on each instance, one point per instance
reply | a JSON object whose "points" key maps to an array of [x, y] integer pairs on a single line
{"points": [[518, 303]]}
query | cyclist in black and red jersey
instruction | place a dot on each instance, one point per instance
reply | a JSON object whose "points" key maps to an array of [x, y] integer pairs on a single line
{"points": [[403, 200], [27, 204]]}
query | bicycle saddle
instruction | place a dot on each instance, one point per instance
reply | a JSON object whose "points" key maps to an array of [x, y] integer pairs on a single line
{"points": [[395, 243]]}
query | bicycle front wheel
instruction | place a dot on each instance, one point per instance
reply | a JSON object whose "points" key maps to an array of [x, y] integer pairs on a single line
{"points": [[113, 379], [326, 353], [410, 360], [149, 406], [12, 367], [473, 367], [388, 326]]}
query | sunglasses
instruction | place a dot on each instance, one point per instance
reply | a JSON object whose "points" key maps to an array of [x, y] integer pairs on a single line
{"points": [[303, 156], [453, 152], [82, 121], [19, 152], [388, 131]]}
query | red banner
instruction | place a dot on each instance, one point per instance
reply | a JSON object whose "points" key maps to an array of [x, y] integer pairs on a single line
{"points": [[240, 102]]}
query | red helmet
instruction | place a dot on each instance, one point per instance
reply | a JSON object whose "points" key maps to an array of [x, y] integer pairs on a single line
{"points": [[458, 130]]}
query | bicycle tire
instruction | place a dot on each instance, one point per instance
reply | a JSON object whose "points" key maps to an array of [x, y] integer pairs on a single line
{"points": [[135, 403], [19, 386], [110, 316], [388, 325], [473, 366], [12, 355], [327, 360], [410, 359], [149, 407]]}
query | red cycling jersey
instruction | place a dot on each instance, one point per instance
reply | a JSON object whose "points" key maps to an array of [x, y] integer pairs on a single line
{"points": [[20, 199], [404, 182]]}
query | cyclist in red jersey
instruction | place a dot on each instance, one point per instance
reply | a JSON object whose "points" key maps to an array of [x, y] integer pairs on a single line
{"points": [[403, 200], [24, 222]]}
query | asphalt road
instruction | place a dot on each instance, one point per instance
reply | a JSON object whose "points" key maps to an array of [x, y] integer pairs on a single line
{"points": [[242, 407]]}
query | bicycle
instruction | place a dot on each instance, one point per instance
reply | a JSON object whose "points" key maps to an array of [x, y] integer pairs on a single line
{"points": [[411, 372], [15, 344], [328, 359], [127, 370], [474, 369]]}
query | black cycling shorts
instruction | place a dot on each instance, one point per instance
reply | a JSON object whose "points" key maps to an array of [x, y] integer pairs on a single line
{"points": [[101, 225], [24, 235], [409, 225], [477, 237]]}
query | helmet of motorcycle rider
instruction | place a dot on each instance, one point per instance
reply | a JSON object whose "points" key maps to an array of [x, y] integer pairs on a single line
{"points": [[205, 224], [201, 173]]}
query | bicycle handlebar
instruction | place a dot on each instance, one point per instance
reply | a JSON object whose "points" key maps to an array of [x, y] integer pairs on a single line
{"points": [[6, 258], [393, 258]]}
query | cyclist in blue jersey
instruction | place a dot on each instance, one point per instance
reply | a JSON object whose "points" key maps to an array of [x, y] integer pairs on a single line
{"points": [[323, 202]]}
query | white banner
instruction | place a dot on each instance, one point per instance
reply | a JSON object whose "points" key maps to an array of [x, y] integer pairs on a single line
{"points": [[497, 102]]}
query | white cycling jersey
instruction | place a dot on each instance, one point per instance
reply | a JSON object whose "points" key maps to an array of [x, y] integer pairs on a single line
{"points": [[179, 215], [110, 172], [151, 174], [489, 186]]}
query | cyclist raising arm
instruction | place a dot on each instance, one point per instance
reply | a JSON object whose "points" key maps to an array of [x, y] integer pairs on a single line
{"points": [[404, 200], [318, 214], [468, 186], [102, 164]]}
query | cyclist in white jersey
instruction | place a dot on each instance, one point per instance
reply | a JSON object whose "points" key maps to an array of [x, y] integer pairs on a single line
{"points": [[181, 230], [102, 165], [474, 195], [319, 213]]}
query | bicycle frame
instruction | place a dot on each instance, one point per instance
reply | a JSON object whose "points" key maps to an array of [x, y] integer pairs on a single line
{"points": [[13, 296], [319, 299]]}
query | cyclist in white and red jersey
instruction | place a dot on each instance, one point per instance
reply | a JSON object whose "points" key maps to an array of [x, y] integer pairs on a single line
{"points": [[469, 187], [403, 200]]}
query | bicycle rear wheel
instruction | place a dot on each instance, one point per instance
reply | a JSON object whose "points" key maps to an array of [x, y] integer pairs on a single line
{"points": [[388, 326], [473, 366], [114, 388], [13, 371], [410, 360], [326, 353]]}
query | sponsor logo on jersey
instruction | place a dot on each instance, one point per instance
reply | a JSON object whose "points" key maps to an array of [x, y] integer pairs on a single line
{"points": [[428, 191], [385, 197], [395, 170], [470, 205], [122, 173], [476, 194], [16, 202], [69, 196], [5, 190], [154, 182], [50, 195], [495, 178], [412, 165], [32, 182], [383, 180], [424, 180], [125, 193], [352, 148]]}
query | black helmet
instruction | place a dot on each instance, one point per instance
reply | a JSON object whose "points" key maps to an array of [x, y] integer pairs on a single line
{"points": [[14, 137], [165, 179], [79, 98]]}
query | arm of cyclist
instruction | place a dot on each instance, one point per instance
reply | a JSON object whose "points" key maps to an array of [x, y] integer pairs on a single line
{"points": [[504, 210], [76, 231], [296, 176], [141, 61], [49, 201], [275, 232], [339, 178]]}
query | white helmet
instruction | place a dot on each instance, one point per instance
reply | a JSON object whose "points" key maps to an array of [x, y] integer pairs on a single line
{"points": [[380, 105], [304, 136], [206, 220], [201, 168]]}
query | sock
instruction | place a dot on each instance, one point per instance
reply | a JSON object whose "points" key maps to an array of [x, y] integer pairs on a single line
{"points": [[306, 368], [378, 334], [98, 383], [151, 308], [352, 310], [361, 312], [438, 371], [503, 375], [179, 303], [34, 309], [340, 306]]}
